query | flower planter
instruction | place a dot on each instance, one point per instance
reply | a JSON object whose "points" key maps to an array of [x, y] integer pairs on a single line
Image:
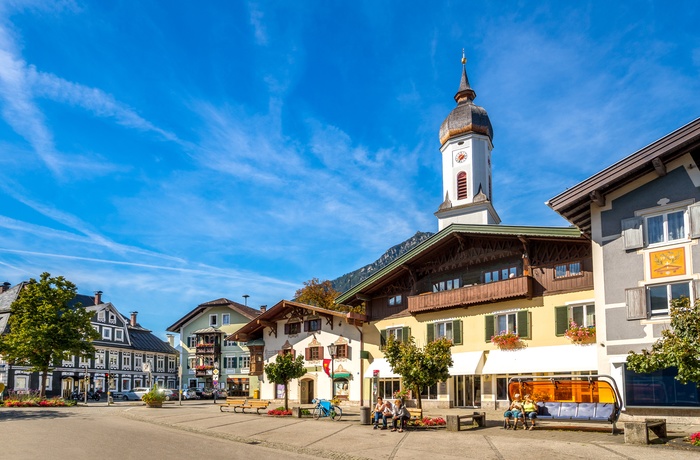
{"points": [[507, 341], [155, 404]]}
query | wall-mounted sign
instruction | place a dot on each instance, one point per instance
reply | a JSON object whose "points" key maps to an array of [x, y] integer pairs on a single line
{"points": [[667, 262]]}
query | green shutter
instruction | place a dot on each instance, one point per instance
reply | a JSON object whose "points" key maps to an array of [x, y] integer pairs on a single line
{"points": [[405, 333], [561, 320], [523, 323], [490, 326], [382, 339], [457, 331], [431, 332]]}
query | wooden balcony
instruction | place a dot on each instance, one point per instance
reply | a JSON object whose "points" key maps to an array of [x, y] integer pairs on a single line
{"points": [[471, 295], [208, 350]]}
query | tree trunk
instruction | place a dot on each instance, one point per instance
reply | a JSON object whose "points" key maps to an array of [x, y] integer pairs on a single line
{"points": [[42, 389], [286, 396], [419, 404]]}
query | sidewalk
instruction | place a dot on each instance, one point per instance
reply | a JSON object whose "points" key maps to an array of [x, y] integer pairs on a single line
{"points": [[347, 439]]}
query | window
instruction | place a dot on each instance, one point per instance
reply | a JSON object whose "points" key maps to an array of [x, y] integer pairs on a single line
{"points": [[399, 333], [126, 385], [500, 274], [659, 389], [582, 315], [49, 382], [517, 322], [230, 362], [100, 358], [312, 325], [191, 363], [113, 360], [395, 301], [450, 330], [107, 333], [119, 335], [430, 392], [245, 362], [230, 343], [313, 353], [443, 330], [161, 363], [446, 285], [342, 351], [101, 316], [461, 185], [292, 328], [564, 270], [213, 320], [84, 361], [502, 388], [388, 387], [138, 362], [225, 319], [192, 341], [171, 364], [395, 332], [662, 228], [112, 318], [660, 296], [126, 361]]}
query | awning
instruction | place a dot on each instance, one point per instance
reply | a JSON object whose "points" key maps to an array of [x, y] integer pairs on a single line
{"points": [[562, 358], [467, 363], [382, 365]]}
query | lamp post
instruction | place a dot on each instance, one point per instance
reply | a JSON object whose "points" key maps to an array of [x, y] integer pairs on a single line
{"points": [[332, 349]]}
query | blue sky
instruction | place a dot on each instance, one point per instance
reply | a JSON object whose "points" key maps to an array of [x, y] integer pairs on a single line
{"points": [[173, 152]]}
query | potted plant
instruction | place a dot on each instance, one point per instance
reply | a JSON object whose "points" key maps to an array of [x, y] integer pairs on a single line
{"points": [[580, 334], [154, 397], [506, 340]]}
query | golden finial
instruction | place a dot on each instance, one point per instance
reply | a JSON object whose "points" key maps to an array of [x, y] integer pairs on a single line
{"points": [[464, 59]]}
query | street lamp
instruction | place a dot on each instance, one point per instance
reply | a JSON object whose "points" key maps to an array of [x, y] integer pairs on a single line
{"points": [[332, 350]]}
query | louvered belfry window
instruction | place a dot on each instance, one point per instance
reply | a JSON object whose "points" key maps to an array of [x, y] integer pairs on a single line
{"points": [[461, 185]]}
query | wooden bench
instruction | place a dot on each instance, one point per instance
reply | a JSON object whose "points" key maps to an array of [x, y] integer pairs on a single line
{"points": [[256, 404], [416, 414], [232, 403], [456, 422], [637, 432]]}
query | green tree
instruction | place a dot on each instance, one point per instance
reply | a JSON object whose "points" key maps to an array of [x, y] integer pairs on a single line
{"points": [[284, 369], [678, 346], [45, 328], [419, 368]]}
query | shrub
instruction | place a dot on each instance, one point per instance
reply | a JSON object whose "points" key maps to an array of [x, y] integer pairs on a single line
{"points": [[695, 439]]}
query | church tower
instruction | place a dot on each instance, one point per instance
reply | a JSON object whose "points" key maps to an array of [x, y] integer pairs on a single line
{"points": [[466, 142]]}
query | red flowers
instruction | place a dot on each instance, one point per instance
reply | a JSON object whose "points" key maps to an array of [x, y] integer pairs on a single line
{"points": [[580, 334], [279, 412], [695, 439]]}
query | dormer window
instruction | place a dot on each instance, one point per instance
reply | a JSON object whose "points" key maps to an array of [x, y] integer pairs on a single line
{"points": [[101, 316], [119, 335], [112, 318], [107, 333]]}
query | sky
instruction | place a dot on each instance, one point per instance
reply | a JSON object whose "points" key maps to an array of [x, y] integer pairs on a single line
{"points": [[169, 153]]}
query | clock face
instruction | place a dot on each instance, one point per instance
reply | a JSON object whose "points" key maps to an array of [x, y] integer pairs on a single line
{"points": [[461, 157]]}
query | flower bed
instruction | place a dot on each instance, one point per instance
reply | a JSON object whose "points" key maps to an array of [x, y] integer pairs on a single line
{"points": [[56, 402], [694, 439], [580, 334], [279, 412], [428, 422], [506, 340]]}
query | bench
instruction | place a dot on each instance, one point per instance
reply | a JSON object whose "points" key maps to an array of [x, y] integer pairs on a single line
{"points": [[455, 422], [232, 403], [416, 414], [637, 432], [579, 412]]}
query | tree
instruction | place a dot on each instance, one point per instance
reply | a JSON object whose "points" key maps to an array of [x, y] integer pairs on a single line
{"points": [[323, 294], [45, 328], [678, 346], [284, 369], [419, 368]]}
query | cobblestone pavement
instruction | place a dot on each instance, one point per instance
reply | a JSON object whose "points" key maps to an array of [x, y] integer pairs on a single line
{"points": [[347, 439]]}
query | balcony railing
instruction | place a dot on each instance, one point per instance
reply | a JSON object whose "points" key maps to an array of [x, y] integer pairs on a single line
{"points": [[471, 295]]}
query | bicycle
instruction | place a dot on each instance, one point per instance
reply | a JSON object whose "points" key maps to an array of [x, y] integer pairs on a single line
{"points": [[325, 408]]}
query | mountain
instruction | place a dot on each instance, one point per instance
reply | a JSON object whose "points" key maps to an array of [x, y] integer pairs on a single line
{"points": [[345, 282]]}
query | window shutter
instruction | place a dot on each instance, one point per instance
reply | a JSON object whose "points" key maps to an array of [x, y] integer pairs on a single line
{"points": [[382, 339], [490, 326], [294, 353], [280, 353], [306, 326], [405, 333], [234, 360], [430, 332], [561, 320], [632, 232], [286, 328], [307, 354], [348, 351], [320, 352], [457, 331], [694, 212], [523, 324], [636, 303]]}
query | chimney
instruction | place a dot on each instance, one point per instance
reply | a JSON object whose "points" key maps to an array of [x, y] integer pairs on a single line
{"points": [[171, 339], [133, 318], [98, 297], [5, 286], [263, 308]]}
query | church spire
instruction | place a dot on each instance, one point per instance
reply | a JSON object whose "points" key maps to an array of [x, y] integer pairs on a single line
{"points": [[465, 92]]}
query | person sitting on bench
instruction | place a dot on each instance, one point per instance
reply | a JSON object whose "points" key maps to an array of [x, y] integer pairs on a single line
{"points": [[530, 412], [400, 414], [514, 412]]}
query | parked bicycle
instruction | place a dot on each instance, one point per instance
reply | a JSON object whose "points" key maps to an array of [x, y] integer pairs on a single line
{"points": [[325, 408]]}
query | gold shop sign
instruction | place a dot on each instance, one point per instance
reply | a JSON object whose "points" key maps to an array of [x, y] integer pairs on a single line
{"points": [[668, 262]]}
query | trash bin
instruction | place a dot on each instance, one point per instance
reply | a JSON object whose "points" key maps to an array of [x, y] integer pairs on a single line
{"points": [[365, 416], [256, 394]]}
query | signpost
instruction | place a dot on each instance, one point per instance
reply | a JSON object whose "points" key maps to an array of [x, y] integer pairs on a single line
{"points": [[215, 380]]}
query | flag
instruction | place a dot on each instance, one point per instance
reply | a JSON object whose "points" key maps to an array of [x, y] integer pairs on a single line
{"points": [[327, 367]]}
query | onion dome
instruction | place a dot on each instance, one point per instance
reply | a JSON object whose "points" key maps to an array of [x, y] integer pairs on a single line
{"points": [[467, 117]]}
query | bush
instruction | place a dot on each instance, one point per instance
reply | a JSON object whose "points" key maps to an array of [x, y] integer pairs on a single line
{"points": [[153, 395]]}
